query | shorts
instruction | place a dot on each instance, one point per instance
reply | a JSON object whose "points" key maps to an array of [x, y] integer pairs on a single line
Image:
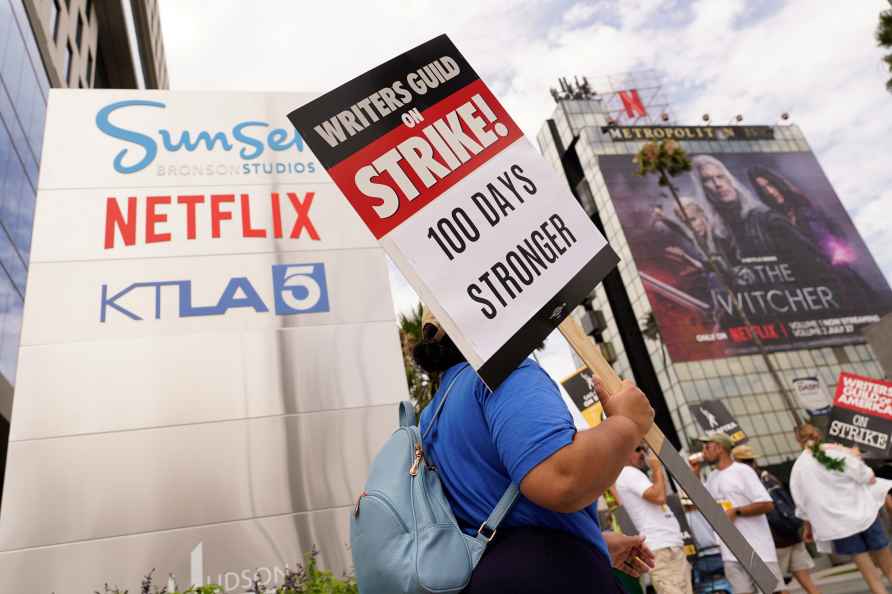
{"points": [[741, 582], [794, 558], [872, 539], [672, 572]]}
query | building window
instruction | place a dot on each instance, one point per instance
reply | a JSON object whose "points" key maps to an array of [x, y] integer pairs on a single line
{"points": [[55, 19], [79, 32], [89, 67], [67, 66]]}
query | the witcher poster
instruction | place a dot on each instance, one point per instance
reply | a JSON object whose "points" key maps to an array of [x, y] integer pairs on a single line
{"points": [[754, 237]]}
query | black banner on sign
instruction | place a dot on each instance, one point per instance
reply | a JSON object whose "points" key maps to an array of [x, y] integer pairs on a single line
{"points": [[549, 316], [714, 417], [638, 133], [871, 435]]}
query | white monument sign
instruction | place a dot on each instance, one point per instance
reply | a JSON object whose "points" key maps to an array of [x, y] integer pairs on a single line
{"points": [[203, 375]]}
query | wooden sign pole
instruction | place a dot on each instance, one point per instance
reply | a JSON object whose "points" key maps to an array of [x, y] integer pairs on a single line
{"points": [[656, 440]]}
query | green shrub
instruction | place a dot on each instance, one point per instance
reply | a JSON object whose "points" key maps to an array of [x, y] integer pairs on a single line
{"points": [[307, 578]]}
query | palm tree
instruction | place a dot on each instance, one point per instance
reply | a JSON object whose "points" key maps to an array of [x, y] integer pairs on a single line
{"points": [[422, 385], [649, 326], [884, 39], [651, 331]]}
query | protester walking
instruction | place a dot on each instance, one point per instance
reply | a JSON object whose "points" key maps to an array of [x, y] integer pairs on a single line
{"points": [[745, 502], [523, 433], [786, 528], [645, 500], [839, 498]]}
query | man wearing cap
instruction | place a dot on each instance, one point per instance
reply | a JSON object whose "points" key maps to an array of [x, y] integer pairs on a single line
{"points": [[786, 528], [646, 503], [745, 501]]}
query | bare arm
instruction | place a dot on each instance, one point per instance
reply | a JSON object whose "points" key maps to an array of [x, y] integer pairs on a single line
{"points": [[576, 475], [656, 493], [757, 508]]}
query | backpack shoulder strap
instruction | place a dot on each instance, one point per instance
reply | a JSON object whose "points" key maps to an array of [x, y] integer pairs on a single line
{"points": [[443, 401], [487, 530], [407, 413]]}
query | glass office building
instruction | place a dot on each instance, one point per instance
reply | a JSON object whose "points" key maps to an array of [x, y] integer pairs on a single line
{"points": [[44, 44], [23, 93], [577, 141]]}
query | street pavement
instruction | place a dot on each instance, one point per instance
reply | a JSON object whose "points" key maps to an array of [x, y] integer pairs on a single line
{"points": [[841, 579]]}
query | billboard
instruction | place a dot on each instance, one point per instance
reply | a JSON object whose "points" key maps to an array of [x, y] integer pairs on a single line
{"points": [[203, 378], [771, 226]]}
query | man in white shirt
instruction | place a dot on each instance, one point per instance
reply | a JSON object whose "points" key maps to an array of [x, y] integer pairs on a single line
{"points": [[646, 503], [745, 501]]}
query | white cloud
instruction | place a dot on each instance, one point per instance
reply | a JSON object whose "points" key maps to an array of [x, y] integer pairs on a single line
{"points": [[815, 61], [873, 221], [582, 13]]}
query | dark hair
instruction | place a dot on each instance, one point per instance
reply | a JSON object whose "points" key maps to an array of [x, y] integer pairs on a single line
{"points": [[794, 198], [437, 356]]}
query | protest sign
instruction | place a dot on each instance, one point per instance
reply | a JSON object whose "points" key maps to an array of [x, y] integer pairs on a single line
{"points": [[477, 221], [812, 395], [581, 388], [714, 417], [480, 225], [862, 414]]}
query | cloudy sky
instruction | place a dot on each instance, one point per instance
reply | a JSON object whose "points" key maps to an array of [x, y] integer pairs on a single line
{"points": [[757, 58]]}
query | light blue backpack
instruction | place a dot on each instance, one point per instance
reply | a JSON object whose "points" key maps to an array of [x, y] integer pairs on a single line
{"points": [[403, 534]]}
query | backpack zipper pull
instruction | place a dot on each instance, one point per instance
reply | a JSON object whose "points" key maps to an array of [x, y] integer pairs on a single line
{"points": [[358, 501], [413, 471]]}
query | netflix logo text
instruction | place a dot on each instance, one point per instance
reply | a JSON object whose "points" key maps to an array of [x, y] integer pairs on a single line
{"points": [[146, 218]]}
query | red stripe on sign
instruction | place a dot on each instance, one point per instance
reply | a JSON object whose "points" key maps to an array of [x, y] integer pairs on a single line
{"points": [[401, 172]]}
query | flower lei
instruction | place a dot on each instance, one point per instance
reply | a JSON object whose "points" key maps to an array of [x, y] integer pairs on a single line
{"points": [[828, 462]]}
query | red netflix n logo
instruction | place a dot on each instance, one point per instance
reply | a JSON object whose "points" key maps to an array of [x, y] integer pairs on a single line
{"points": [[632, 103]]}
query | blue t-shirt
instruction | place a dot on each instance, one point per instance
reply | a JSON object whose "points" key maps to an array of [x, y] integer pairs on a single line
{"points": [[483, 440]]}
